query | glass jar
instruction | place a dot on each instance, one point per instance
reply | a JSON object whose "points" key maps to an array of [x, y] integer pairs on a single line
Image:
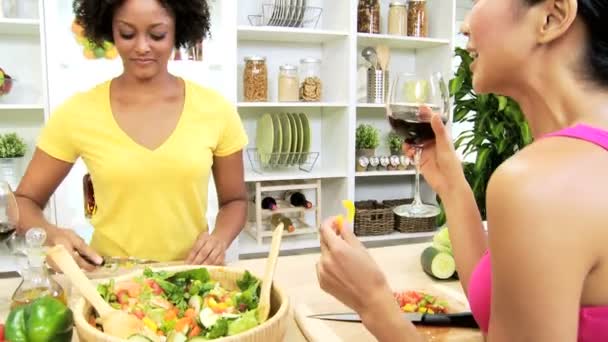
{"points": [[368, 17], [417, 20], [288, 83], [310, 80], [397, 18], [255, 79]]}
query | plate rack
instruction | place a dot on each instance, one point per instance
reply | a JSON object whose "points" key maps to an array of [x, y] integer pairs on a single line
{"points": [[258, 225]]}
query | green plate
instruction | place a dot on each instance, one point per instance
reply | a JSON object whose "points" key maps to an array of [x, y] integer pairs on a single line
{"points": [[300, 130], [306, 145], [286, 129], [265, 138], [278, 139], [294, 139]]}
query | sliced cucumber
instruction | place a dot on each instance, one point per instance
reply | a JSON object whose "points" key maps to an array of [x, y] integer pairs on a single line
{"points": [[175, 336], [437, 264], [139, 338], [197, 339]]}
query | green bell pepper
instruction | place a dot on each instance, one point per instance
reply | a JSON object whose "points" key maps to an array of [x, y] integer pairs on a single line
{"points": [[44, 320]]}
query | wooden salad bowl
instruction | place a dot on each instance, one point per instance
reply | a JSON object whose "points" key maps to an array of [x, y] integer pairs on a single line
{"points": [[274, 329]]}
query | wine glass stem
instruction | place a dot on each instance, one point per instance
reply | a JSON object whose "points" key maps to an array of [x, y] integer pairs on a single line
{"points": [[417, 201]]}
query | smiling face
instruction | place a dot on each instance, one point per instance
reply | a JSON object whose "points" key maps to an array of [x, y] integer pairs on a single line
{"points": [[502, 40], [144, 35]]}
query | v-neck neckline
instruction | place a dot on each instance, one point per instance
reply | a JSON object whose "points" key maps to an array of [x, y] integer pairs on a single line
{"points": [[170, 137]]}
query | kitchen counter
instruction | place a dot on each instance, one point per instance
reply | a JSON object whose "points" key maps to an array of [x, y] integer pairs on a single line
{"points": [[297, 276]]}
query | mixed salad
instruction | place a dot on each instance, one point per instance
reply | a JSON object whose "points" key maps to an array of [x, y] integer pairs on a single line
{"points": [[184, 306], [421, 302]]}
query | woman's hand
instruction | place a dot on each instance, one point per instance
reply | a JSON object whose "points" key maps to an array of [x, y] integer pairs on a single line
{"points": [[439, 164], [76, 246], [208, 249], [348, 272]]}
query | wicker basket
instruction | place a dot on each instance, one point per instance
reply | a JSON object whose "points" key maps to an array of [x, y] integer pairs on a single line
{"points": [[273, 329], [373, 218], [410, 224]]}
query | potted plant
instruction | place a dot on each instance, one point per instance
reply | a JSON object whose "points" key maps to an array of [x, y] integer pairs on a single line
{"points": [[367, 140], [12, 151], [395, 143], [499, 129]]}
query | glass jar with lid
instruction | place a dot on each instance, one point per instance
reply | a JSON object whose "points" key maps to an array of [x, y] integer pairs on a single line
{"points": [[289, 83], [310, 80], [397, 18], [368, 16], [417, 19], [255, 79]]}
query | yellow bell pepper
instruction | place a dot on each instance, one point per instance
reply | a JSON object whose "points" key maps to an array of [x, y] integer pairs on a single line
{"points": [[150, 324]]}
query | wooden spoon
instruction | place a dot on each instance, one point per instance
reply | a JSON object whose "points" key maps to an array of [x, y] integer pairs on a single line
{"points": [[271, 263], [115, 322], [384, 56]]}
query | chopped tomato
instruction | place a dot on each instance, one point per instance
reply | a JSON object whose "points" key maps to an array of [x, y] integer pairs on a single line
{"points": [[122, 296], [156, 289], [182, 323], [1, 332], [139, 313], [132, 288], [196, 330], [190, 313], [170, 314]]}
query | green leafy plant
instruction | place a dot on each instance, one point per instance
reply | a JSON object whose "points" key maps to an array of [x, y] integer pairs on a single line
{"points": [[367, 137], [394, 141], [499, 128], [12, 146]]}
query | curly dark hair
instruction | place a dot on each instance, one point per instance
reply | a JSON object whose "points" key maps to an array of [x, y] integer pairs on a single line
{"points": [[192, 19]]}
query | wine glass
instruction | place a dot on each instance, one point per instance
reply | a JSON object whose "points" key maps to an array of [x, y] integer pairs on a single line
{"points": [[406, 112]]}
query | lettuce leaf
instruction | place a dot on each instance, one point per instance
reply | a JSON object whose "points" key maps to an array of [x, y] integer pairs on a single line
{"points": [[247, 321]]}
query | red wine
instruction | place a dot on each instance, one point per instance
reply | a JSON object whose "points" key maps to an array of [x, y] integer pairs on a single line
{"points": [[6, 230], [297, 199], [407, 122], [269, 203]]}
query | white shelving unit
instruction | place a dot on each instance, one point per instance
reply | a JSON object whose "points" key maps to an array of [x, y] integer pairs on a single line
{"points": [[338, 44]]}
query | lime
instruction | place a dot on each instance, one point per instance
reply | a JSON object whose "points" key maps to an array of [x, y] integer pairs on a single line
{"points": [[1, 77], [99, 52], [417, 91]]}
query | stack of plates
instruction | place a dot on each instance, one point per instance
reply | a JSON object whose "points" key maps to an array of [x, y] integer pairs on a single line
{"points": [[283, 139], [287, 13]]}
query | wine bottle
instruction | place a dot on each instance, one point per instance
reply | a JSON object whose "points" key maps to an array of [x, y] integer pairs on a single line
{"points": [[297, 199], [287, 223], [269, 203]]}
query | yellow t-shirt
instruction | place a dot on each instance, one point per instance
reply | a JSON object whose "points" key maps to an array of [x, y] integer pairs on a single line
{"points": [[150, 203]]}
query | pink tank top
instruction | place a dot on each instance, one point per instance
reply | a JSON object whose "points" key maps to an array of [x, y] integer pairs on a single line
{"points": [[593, 321]]}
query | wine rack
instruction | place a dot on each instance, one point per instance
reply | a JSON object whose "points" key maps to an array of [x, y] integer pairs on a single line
{"points": [[305, 220]]}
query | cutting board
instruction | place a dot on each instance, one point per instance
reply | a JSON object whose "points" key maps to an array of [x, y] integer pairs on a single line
{"points": [[329, 331]]}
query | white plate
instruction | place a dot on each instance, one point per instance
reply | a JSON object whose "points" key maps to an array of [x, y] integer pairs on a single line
{"points": [[293, 15], [279, 9], [302, 12], [269, 6]]}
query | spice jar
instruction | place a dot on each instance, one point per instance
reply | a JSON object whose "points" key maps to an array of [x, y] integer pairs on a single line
{"points": [[397, 18], [255, 79], [368, 17], [288, 83], [310, 80], [417, 21]]}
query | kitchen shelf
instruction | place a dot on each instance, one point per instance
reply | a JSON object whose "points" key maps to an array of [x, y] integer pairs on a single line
{"points": [[399, 42], [18, 26], [385, 173], [301, 229], [21, 107], [292, 105], [371, 105], [396, 236], [288, 34], [287, 175]]}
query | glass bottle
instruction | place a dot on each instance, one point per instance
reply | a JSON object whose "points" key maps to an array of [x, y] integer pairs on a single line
{"points": [[90, 207], [417, 20], [36, 281], [255, 79], [311, 86], [288, 83], [368, 16], [397, 18]]}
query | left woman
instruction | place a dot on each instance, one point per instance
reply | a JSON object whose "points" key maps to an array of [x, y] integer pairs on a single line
{"points": [[150, 141]]}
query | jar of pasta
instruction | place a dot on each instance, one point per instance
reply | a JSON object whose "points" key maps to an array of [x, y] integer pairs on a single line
{"points": [[397, 18], [417, 20], [288, 83], [310, 80], [368, 16], [255, 79]]}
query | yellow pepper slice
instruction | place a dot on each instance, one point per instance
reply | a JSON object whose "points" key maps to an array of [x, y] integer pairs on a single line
{"points": [[150, 324]]}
